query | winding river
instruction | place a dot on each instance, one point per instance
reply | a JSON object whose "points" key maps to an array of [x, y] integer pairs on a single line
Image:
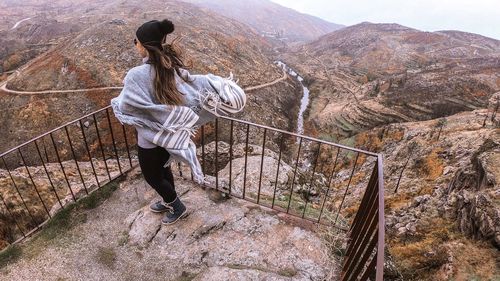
{"points": [[304, 102]]}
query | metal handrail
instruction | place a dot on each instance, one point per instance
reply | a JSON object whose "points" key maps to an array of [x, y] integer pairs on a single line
{"points": [[365, 249]]}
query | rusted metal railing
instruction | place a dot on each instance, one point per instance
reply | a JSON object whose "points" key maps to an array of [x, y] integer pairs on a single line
{"points": [[313, 180], [364, 256], [95, 139]]}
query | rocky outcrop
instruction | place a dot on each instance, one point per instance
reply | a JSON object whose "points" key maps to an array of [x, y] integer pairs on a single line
{"points": [[473, 194], [223, 240], [446, 202]]}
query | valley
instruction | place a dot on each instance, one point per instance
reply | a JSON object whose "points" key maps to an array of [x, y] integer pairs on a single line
{"points": [[427, 101]]}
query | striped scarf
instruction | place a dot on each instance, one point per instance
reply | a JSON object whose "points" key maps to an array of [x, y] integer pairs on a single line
{"points": [[171, 127]]}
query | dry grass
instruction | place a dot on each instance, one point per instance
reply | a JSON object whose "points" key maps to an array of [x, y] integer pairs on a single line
{"points": [[420, 257], [106, 256], [430, 166], [476, 261], [336, 241]]}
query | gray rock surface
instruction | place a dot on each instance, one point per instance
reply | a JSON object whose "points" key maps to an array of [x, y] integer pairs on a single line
{"points": [[225, 240]]}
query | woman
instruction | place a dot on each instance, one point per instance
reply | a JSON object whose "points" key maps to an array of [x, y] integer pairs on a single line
{"points": [[166, 104]]}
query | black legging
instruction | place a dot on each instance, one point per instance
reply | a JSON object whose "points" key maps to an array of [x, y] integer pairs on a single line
{"points": [[161, 179]]}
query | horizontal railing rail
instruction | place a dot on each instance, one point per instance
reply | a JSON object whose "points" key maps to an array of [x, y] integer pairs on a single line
{"points": [[311, 179]]}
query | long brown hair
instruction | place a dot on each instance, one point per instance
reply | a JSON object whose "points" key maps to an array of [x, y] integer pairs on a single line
{"points": [[166, 62]]}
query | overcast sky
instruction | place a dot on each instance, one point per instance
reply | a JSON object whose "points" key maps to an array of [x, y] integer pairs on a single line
{"points": [[477, 16]]}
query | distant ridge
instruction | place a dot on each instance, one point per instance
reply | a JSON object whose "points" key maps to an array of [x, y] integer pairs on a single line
{"points": [[272, 19]]}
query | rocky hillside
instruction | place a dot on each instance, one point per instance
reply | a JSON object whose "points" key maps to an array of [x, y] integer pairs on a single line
{"points": [[272, 20], [30, 28], [369, 75], [442, 196], [100, 55]]}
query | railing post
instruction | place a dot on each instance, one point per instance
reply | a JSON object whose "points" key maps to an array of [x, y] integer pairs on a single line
{"points": [[217, 153], [100, 145], [381, 220], [294, 175], [19, 193], [88, 153], [347, 188], [33, 182], [76, 161], [277, 169], [312, 180], [62, 167], [261, 164], [231, 157], [113, 142], [246, 161], [48, 176], [329, 185]]}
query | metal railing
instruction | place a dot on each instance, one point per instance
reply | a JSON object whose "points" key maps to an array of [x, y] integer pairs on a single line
{"points": [[44, 174], [311, 179]]}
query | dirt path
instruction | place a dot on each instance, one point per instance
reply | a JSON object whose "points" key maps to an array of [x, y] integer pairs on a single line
{"points": [[3, 87], [283, 78]]}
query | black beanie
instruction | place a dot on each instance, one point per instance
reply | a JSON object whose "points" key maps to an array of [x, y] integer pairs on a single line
{"points": [[153, 32]]}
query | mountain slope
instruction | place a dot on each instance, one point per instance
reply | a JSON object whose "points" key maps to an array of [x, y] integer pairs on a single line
{"points": [[367, 75], [100, 55], [271, 19]]}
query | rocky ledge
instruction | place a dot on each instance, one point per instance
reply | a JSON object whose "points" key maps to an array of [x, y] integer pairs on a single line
{"points": [[221, 239]]}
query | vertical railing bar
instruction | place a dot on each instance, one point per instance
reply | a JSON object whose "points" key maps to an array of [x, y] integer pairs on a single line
{"points": [[76, 161], [329, 184], [381, 221], [217, 154], [19, 193], [347, 188], [261, 164], [203, 148], [369, 269], [231, 157], [369, 192], [246, 157], [33, 182], [277, 169], [312, 179], [126, 145], [100, 145], [179, 168], [12, 216], [352, 271], [88, 153], [62, 167], [294, 174], [113, 141], [48, 175], [45, 150], [368, 227]]}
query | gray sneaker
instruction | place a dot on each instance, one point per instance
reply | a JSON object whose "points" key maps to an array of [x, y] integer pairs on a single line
{"points": [[179, 212], [160, 207]]}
